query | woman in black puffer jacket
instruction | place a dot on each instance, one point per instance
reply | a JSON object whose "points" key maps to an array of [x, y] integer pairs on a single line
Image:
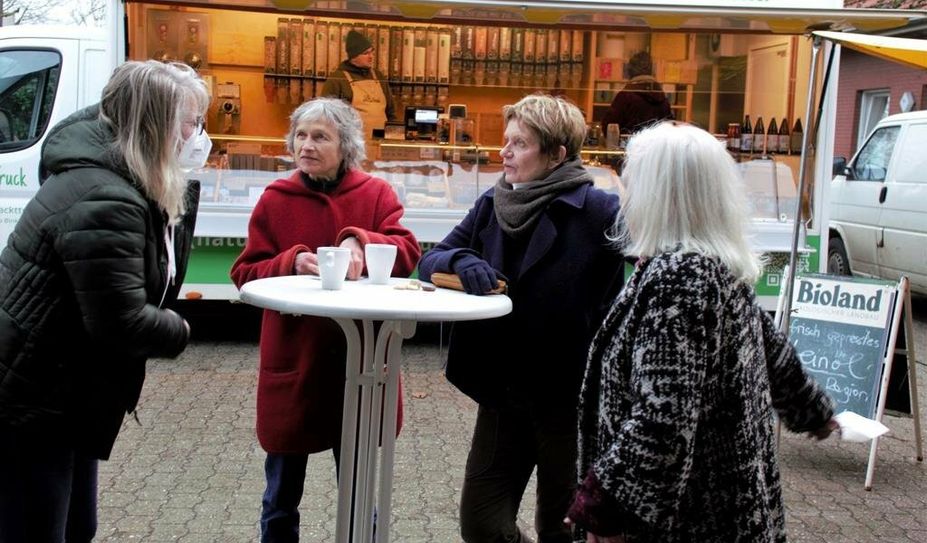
{"points": [[84, 278]]}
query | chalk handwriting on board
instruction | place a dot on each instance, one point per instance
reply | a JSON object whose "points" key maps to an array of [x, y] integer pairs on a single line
{"points": [[839, 332]]}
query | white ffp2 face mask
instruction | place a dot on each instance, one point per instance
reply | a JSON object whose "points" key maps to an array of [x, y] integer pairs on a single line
{"points": [[195, 151]]}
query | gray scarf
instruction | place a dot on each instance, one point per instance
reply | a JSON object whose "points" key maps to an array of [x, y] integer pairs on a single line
{"points": [[518, 211]]}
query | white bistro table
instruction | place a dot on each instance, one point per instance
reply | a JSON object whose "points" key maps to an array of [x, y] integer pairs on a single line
{"points": [[372, 371]]}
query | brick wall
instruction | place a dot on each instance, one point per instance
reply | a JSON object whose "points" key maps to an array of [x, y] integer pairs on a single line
{"points": [[886, 4], [859, 72]]}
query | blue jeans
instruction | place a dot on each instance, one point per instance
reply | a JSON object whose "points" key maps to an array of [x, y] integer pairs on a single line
{"points": [[48, 491], [285, 475]]}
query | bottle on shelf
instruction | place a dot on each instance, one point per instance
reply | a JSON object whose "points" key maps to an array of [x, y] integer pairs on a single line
{"points": [[733, 137], [772, 137], [782, 145], [759, 136], [613, 137], [796, 137], [746, 136]]}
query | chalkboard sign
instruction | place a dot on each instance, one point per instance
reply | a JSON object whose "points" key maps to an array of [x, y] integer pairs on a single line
{"points": [[839, 328], [898, 393]]}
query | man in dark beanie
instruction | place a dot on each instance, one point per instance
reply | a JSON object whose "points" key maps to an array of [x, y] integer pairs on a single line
{"points": [[357, 82], [641, 102]]}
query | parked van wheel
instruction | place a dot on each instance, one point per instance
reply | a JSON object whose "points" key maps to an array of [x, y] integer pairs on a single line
{"points": [[837, 261]]}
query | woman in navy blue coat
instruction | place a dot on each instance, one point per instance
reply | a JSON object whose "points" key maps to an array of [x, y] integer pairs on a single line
{"points": [[543, 228]]}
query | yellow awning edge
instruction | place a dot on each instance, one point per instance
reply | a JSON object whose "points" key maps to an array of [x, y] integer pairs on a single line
{"points": [[908, 51]]}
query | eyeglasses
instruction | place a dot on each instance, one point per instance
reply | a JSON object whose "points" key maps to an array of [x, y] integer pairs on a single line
{"points": [[199, 125]]}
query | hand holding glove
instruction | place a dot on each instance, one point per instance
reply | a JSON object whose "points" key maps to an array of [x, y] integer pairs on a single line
{"points": [[476, 275]]}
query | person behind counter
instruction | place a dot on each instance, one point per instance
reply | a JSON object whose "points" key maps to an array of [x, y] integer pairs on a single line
{"points": [[543, 226], [641, 102], [327, 201], [677, 440], [84, 281], [360, 84]]}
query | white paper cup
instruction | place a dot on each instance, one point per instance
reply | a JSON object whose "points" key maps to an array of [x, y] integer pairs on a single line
{"points": [[380, 259], [333, 266]]}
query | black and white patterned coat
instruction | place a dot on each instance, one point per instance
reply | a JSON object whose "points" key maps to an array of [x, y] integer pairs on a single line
{"points": [[676, 413]]}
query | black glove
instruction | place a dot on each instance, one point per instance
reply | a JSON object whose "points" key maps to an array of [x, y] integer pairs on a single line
{"points": [[476, 275]]}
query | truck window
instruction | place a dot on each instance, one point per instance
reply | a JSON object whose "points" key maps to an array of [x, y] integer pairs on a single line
{"points": [[872, 162], [28, 82], [911, 162]]}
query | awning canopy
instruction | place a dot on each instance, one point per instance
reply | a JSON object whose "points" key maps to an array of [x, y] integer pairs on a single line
{"points": [[703, 16], [904, 50]]}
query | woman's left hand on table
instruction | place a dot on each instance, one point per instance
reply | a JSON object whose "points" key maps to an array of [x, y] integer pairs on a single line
{"points": [[356, 267], [306, 263]]}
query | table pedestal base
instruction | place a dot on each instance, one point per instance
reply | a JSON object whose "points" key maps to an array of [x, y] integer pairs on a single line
{"points": [[371, 398]]}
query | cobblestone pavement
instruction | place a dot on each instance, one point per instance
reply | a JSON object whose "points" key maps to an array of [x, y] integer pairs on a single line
{"points": [[193, 472]]}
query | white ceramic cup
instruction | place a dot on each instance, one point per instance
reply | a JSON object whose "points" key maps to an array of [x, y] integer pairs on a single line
{"points": [[333, 266], [380, 259]]}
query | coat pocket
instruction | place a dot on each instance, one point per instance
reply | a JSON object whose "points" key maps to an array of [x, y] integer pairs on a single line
{"points": [[280, 408]]}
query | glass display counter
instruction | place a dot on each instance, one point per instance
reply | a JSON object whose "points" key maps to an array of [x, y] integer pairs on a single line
{"points": [[436, 183], [770, 185], [238, 171]]}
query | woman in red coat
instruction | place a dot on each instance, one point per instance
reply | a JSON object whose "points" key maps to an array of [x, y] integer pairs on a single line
{"points": [[327, 201]]}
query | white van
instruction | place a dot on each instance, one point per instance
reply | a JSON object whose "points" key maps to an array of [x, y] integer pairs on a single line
{"points": [[878, 205], [46, 73]]}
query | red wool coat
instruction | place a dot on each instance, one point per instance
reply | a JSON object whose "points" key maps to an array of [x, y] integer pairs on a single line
{"points": [[301, 379]]}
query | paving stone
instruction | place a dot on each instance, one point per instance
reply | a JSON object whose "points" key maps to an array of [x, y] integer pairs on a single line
{"points": [[192, 472]]}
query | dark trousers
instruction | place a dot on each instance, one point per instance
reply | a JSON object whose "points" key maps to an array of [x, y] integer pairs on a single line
{"points": [[285, 475], [508, 443], [48, 491]]}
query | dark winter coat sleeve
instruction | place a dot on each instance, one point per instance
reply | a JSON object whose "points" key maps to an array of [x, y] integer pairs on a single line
{"points": [[102, 246], [463, 239], [795, 394]]}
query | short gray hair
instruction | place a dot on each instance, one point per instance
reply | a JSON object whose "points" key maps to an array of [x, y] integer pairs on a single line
{"points": [[340, 115], [684, 194], [554, 120], [144, 103]]}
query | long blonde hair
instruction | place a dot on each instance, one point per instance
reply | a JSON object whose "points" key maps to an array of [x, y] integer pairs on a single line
{"points": [[144, 103], [684, 194]]}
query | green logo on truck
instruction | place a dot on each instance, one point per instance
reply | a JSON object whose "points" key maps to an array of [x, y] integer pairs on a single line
{"points": [[13, 179]]}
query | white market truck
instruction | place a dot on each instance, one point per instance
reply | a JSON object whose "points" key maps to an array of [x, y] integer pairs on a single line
{"points": [[46, 73], [717, 61]]}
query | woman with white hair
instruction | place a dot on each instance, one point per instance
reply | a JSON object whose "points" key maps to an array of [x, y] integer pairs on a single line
{"points": [[676, 429], [327, 201], [84, 280]]}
